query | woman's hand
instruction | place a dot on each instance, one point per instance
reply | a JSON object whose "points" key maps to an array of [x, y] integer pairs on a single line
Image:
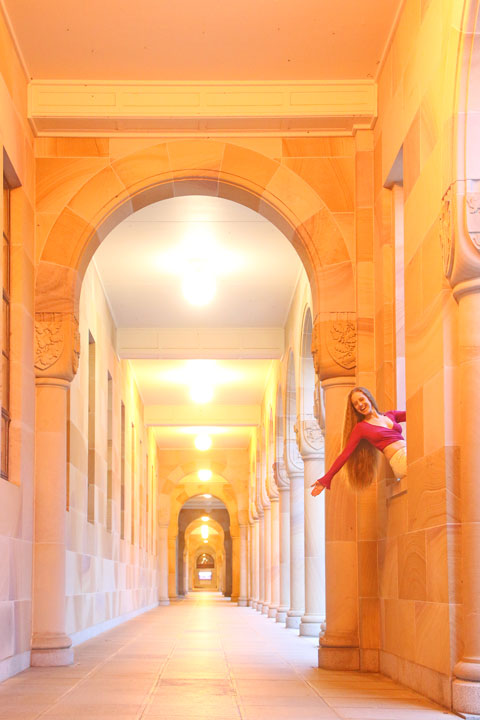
{"points": [[317, 488]]}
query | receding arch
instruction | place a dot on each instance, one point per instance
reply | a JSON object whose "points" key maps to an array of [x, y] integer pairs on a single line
{"points": [[189, 167]]}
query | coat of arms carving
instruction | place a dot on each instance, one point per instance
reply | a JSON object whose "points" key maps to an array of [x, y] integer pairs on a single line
{"points": [[49, 339], [342, 341]]}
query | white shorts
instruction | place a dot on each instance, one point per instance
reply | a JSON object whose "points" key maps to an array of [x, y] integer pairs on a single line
{"points": [[398, 463]]}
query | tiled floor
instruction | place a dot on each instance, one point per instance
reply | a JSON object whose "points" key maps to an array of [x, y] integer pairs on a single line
{"points": [[205, 658]]}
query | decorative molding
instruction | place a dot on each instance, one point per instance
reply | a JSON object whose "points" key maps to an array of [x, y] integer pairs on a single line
{"points": [[49, 339], [447, 231], [319, 405], [77, 107], [342, 340]]}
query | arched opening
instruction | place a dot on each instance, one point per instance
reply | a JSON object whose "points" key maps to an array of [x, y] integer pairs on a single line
{"points": [[204, 530]]}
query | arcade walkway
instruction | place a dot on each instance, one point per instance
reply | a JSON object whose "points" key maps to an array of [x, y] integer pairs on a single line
{"points": [[204, 658]]}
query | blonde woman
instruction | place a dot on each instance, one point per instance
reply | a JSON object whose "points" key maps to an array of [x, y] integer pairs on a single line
{"points": [[366, 430]]}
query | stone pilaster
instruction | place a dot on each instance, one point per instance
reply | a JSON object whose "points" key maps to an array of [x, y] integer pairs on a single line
{"points": [[163, 565], [312, 449], [242, 599], [57, 350]]}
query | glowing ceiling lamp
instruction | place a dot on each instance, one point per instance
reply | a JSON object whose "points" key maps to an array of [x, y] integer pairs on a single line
{"points": [[205, 541], [203, 441], [201, 393], [204, 532], [205, 518], [205, 475], [207, 496]]}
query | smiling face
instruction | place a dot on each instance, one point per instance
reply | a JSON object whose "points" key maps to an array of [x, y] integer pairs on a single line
{"points": [[361, 403]]}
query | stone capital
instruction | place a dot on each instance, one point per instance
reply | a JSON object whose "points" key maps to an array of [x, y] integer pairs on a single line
{"points": [[310, 440], [280, 475], [57, 345], [460, 235], [334, 344], [293, 459]]}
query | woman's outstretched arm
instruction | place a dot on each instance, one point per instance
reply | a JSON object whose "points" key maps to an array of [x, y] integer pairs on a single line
{"points": [[324, 482]]}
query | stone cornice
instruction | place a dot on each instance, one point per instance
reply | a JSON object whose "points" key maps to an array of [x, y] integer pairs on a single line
{"points": [[78, 107]]}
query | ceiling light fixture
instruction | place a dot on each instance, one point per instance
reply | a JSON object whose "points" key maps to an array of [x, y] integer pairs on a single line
{"points": [[204, 475], [207, 496], [205, 518], [203, 442], [201, 393], [204, 531]]}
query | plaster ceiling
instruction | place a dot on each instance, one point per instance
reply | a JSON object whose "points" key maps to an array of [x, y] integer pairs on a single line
{"points": [[215, 40], [141, 261], [140, 267]]}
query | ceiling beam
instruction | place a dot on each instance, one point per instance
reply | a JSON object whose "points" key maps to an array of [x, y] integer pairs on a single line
{"points": [[74, 107], [193, 416], [201, 343]]}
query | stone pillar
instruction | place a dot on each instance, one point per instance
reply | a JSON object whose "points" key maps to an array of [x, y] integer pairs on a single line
{"points": [[185, 573], [235, 568], [261, 562], [283, 485], [180, 567], [275, 557], [172, 567], [267, 529], [228, 564], [57, 348], [466, 686], [294, 466], [163, 565], [339, 646], [311, 445], [242, 600], [255, 565]]}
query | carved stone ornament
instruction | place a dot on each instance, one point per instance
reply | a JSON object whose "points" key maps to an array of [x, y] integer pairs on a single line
{"points": [[446, 232], [319, 405], [57, 345], [49, 339], [76, 346], [309, 437], [472, 208], [280, 475], [292, 458], [342, 340]]}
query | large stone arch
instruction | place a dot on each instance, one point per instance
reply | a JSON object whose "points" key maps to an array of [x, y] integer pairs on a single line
{"points": [[184, 167]]}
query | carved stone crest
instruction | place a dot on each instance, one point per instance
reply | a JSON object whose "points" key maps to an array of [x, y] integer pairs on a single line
{"points": [[309, 437], [49, 339], [472, 207], [446, 232], [76, 346], [342, 340]]}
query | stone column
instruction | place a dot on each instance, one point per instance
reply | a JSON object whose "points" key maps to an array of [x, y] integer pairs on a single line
{"points": [[228, 564], [255, 565], [275, 556], [267, 529], [57, 348], [235, 568], [180, 567], [242, 600], [261, 562], [172, 567], [466, 686], [283, 485], [339, 646], [185, 573], [163, 565], [311, 445], [294, 466]]}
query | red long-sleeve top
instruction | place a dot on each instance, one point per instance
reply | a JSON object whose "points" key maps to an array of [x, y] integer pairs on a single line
{"points": [[376, 435]]}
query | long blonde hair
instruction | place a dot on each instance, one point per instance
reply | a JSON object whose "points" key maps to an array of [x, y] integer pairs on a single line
{"points": [[361, 466]]}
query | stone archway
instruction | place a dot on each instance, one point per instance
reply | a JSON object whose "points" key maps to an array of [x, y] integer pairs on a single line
{"points": [[186, 167]]}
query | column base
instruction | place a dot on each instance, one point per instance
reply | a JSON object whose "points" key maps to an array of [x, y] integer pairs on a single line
{"points": [[293, 621], [466, 698], [51, 657], [164, 601], [242, 602], [272, 612], [265, 609], [339, 658], [309, 629], [281, 616]]}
